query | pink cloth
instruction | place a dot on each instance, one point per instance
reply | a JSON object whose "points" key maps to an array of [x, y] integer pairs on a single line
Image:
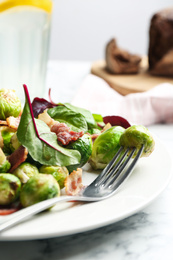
{"points": [[146, 108]]}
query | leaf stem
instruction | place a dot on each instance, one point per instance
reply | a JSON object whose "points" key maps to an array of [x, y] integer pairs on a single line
{"points": [[32, 116], [30, 108]]}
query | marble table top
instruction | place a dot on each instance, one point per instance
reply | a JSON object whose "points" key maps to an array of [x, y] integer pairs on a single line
{"points": [[147, 235]]}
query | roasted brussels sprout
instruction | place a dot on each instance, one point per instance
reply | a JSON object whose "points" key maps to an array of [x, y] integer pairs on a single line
{"points": [[4, 163], [58, 172], [38, 188], [24, 171], [105, 147], [14, 143], [10, 187], [138, 135], [84, 146], [6, 134], [10, 104]]}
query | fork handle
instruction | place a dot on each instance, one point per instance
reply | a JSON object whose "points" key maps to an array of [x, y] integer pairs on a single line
{"points": [[28, 212]]}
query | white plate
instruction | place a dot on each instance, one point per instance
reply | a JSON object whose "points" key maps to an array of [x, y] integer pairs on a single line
{"points": [[147, 181]]}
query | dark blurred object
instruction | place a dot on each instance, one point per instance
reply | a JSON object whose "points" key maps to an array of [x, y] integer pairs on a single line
{"points": [[119, 61], [161, 43]]}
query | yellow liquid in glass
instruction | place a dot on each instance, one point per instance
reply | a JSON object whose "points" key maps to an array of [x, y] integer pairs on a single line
{"points": [[24, 44]]}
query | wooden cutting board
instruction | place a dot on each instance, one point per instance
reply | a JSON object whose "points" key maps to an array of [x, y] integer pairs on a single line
{"points": [[126, 84]]}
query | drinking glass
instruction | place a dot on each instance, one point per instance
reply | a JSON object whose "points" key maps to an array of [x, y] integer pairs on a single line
{"points": [[24, 44]]}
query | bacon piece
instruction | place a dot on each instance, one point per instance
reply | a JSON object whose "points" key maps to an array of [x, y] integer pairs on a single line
{"points": [[73, 183], [59, 127], [4, 212], [13, 122], [17, 157], [3, 122], [64, 135], [9, 209], [94, 136]]}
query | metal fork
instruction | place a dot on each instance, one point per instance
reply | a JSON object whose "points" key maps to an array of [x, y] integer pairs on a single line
{"points": [[104, 186]]}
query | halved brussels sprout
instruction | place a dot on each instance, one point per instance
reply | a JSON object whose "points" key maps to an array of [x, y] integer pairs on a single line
{"points": [[38, 188], [105, 147], [84, 146], [4, 163], [14, 142], [6, 134], [25, 171], [10, 104], [136, 136], [10, 187], [58, 172]]}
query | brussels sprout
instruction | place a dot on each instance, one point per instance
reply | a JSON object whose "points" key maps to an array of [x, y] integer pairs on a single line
{"points": [[4, 163], [6, 134], [136, 136], [105, 147], [58, 172], [38, 188], [24, 171], [10, 187], [84, 146], [14, 143], [10, 104]]}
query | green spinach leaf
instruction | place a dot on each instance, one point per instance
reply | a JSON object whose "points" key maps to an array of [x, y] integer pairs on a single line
{"points": [[86, 113], [73, 119], [41, 143]]}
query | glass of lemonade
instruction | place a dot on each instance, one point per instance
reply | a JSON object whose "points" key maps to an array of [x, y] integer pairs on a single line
{"points": [[24, 44]]}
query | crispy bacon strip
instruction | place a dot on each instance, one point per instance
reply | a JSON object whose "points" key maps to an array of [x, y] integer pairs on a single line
{"points": [[64, 135], [94, 136], [4, 212], [59, 127], [9, 209], [13, 122], [3, 122], [17, 157], [73, 183]]}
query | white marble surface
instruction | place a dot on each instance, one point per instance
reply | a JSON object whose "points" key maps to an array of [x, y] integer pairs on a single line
{"points": [[146, 235]]}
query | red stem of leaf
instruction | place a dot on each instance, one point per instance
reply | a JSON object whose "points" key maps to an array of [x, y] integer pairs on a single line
{"points": [[30, 108], [50, 98], [32, 116]]}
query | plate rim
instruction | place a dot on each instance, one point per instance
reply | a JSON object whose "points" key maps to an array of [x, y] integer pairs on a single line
{"points": [[131, 212]]}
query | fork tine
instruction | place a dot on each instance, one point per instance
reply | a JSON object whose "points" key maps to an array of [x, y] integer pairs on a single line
{"points": [[115, 174], [112, 170], [108, 167], [118, 168], [116, 185]]}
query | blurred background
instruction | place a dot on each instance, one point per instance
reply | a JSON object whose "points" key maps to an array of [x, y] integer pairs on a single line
{"points": [[82, 28]]}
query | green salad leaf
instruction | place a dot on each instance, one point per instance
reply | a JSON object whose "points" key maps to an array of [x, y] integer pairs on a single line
{"points": [[86, 113], [73, 119], [41, 143]]}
